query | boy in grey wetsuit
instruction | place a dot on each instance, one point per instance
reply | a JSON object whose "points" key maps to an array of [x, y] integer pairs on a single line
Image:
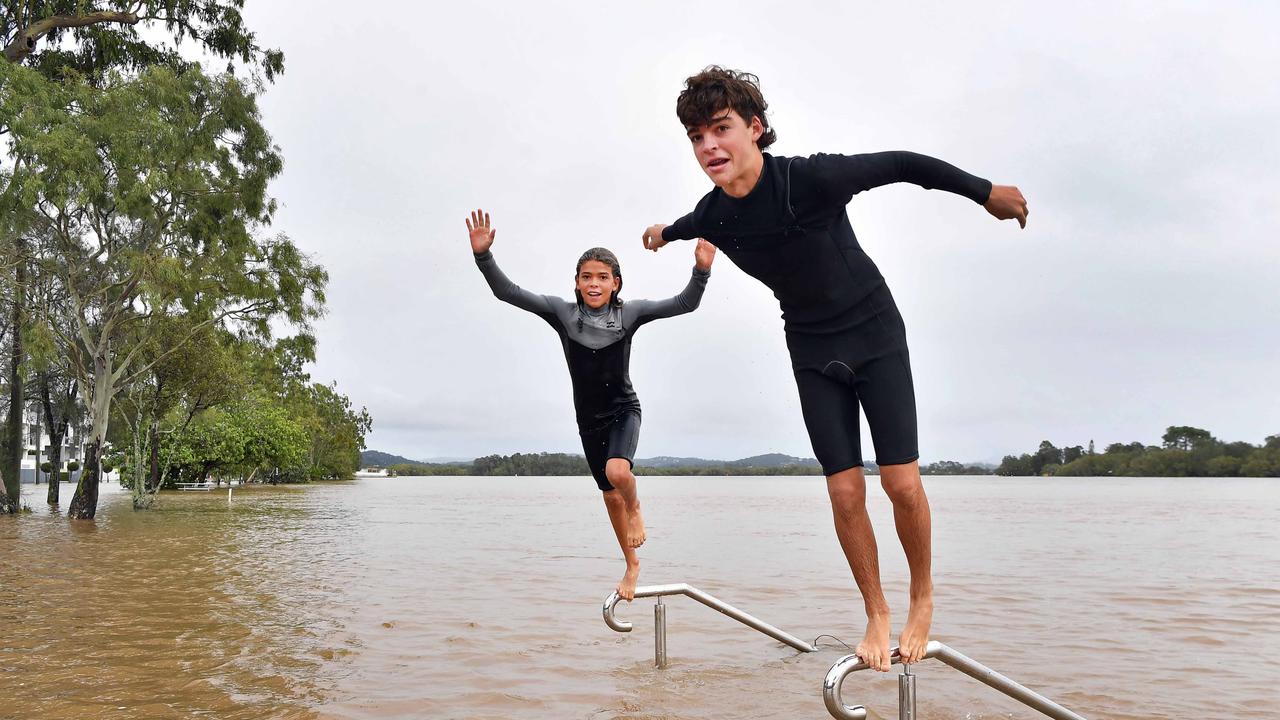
{"points": [[783, 221], [596, 331]]}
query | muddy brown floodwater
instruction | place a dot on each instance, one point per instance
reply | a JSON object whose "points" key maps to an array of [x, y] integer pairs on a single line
{"points": [[480, 598]]}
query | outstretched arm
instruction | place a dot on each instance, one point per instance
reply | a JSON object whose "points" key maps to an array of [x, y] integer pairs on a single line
{"points": [[482, 235], [840, 177], [655, 236], [639, 312]]}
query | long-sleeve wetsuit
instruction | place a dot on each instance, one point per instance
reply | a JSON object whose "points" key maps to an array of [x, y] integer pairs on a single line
{"points": [[792, 230], [845, 335], [597, 348], [597, 343]]}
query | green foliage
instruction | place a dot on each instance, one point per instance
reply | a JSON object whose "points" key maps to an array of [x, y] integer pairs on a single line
{"points": [[425, 469], [1183, 437], [559, 464], [1186, 452], [139, 34], [335, 429], [1071, 454], [145, 197], [950, 467], [1224, 466], [255, 436], [1264, 462], [531, 464]]}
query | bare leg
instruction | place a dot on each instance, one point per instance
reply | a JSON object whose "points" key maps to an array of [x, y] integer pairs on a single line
{"points": [[848, 492], [617, 509], [618, 473], [911, 516]]}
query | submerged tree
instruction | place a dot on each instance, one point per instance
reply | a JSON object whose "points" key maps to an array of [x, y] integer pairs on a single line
{"points": [[83, 42], [11, 443], [154, 194]]}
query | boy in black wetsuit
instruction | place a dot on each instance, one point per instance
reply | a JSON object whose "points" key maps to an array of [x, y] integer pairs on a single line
{"points": [[783, 221], [595, 332]]}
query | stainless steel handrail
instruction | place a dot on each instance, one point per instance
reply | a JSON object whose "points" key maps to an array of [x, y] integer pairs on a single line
{"points": [[974, 669], [708, 600]]}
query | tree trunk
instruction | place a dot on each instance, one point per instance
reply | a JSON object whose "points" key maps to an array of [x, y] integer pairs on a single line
{"points": [[84, 504], [57, 434], [55, 464], [36, 442], [11, 465], [153, 477]]}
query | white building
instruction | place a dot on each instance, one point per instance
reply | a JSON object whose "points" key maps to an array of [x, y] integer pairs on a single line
{"points": [[37, 448]]}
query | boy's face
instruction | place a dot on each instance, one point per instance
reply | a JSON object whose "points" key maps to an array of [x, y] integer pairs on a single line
{"points": [[597, 283], [726, 147]]}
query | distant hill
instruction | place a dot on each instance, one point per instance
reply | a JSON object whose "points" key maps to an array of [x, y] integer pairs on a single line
{"points": [[372, 458], [771, 460], [762, 461], [662, 461], [551, 464]]}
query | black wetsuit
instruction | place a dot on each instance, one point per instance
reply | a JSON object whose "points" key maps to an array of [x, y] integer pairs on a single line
{"points": [[597, 347], [845, 335]]}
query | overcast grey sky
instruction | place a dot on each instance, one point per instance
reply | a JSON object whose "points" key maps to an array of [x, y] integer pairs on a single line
{"points": [[1143, 292]]}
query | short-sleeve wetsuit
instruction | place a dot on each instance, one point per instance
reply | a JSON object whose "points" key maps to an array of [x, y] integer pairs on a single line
{"points": [[844, 332], [597, 347]]}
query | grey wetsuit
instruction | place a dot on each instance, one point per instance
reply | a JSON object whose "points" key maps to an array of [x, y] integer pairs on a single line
{"points": [[597, 348]]}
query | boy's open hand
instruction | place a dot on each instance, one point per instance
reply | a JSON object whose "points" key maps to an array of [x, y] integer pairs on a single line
{"points": [[653, 237], [481, 234], [1006, 203], [703, 255]]}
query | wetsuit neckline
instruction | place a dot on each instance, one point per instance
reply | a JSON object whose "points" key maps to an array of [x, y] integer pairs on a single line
{"points": [[764, 170]]}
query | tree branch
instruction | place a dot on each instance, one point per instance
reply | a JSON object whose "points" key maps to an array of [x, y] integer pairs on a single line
{"points": [[25, 42], [123, 367]]}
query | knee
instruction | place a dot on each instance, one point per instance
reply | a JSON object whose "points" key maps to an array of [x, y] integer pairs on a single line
{"points": [[901, 487], [618, 472], [847, 489]]}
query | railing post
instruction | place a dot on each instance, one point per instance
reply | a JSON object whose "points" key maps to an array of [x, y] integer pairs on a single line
{"points": [[660, 634], [906, 694]]}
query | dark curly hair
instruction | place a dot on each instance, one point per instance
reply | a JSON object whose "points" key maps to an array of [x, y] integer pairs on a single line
{"points": [[715, 89], [608, 258]]}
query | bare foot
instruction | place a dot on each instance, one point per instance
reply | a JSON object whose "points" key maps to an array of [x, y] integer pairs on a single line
{"points": [[874, 648], [915, 635], [635, 528], [627, 585]]}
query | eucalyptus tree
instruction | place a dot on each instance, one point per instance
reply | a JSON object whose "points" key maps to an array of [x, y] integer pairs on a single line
{"points": [[154, 192], [87, 40], [92, 37]]}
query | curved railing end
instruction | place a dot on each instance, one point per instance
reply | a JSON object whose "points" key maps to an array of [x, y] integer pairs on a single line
{"points": [[614, 623]]}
